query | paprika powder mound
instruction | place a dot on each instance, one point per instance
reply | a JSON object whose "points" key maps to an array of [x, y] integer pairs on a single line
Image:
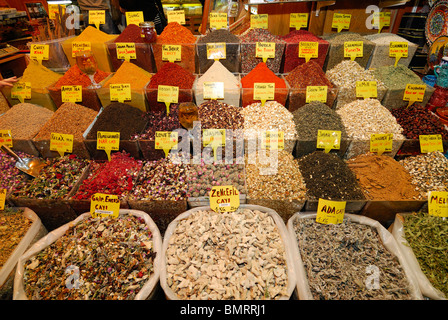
{"points": [[293, 40], [261, 73], [176, 34], [170, 74]]}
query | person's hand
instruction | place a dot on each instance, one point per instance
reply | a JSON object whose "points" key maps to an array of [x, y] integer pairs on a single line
{"points": [[9, 82]]}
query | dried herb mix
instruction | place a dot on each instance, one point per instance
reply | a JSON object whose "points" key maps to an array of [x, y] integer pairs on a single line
{"points": [[115, 257]]}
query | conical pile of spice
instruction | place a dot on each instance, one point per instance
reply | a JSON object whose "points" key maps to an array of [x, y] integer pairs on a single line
{"points": [[39, 76], [132, 33], [75, 77], [129, 73]]}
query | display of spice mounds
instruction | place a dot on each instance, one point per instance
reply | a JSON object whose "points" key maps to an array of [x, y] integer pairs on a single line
{"points": [[345, 75], [249, 60], [396, 79], [262, 74], [94, 259], [291, 57], [116, 117], [383, 178], [176, 34], [75, 77], [40, 78], [131, 74], [203, 177], [335, 53], [362, 118], [304, 75], [170, 74], [313, 117], [340, 261], [218, 73], [232, 50], [422, 239], [143, 51], [240, 255], [24, 120], [69, 118], [11, 178], [380, 56]]}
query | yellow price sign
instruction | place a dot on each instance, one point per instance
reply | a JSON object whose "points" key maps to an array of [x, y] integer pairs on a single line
{"points": [[308, 50], [104, 205], [366, 89], [79, 46], [224, 199], [61, 143], [218, 20], [171, 52], [353, 49], [316, 93], [168, 95], [414, 93], [176, 16], [330, 212], [381, 142], [21, 91], [259, 21], [328, 140], [216, 50], [2, 199], [213, 90], [53, 9], [126, 51], [430, 143], [71, 93], [265, 50], [120, 92], [273, 140], [214, 138], [264, 91], [6, 138], [108, 141], [97, 17], [40, 52], [341, 21], [398, 50], [134, 17], [298, 20], [438, 203], [166, 140], [380, 20]]}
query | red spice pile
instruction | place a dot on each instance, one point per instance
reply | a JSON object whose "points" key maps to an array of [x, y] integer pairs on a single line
{"points": [[174, 33], [114, 177], [130, 34], [308, 74], [75, 77], [171, 74], [296, 36], [261, 73]]}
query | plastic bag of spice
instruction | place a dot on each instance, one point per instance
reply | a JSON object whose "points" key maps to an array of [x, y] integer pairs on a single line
{"points": [[277, 279], [154, 244], [398, 231], [364, 285], [34, 232]]}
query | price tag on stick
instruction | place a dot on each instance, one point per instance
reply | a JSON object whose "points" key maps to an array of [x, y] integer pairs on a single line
{"points": [[414, 93], [430, 143], [341, 21], [298, 20], [168, 95], [381, 143], [6, 138], [308, 50], [398, 50], [61, 143], [108, 141], [97, 17], [214, 138], [316, 93], [166, 140], [21, 91], [104, 205], [224, 199], [328, 140], [264, 91], [40, 52], [330, 212], [438, 203], [353, 49]]}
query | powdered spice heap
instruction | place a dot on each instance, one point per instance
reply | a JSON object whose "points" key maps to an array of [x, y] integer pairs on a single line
{"points": [[130, 34], [174, 33], [129, 73], [39, 76], [75, 77], [172, 74]]}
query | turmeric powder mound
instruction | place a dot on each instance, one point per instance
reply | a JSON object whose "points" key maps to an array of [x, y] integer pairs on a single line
{"points": [[92, 34], [129, 73], [174, 33], [39, 76]]}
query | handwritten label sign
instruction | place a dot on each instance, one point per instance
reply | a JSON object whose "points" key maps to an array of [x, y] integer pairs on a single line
{"points": [[380, 20], [176, 16], [438, 203], [61, 143], [53, 9], [366, 89], [265, 50], [414, 93], [398, 50], [298, 20], [216, 50], [104, 205], [171, 52], [330, 212], [21, 91], [6, 138], [108, 141], [328, 139], [218, 20], [224, 199], [308, 50], [71, 94], [126, 51], [80, 46], [264, 91], [381, 143], [2, 199], [168, 95], [213, 90], [214, 138], [40, 52], [430, 143], [166, 140], [273, 140], [97, 17], [353, 49], [134, 17], [316, 93], [120, 92], [259, 21], [341, 21]]}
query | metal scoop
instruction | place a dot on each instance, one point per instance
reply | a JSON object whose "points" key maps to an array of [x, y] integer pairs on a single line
{"points": [[27, 165]]}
